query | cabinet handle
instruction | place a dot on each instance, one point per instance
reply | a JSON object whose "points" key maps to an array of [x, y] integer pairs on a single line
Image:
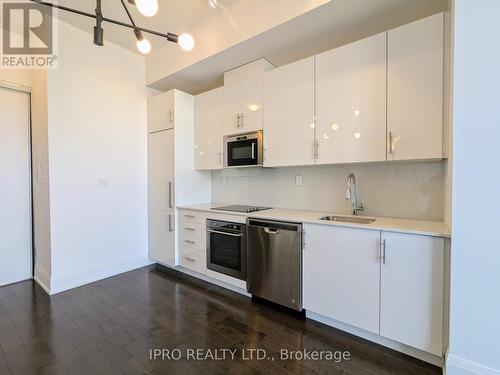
{"points": [[170, 194], [189, 242], [220, 157], [265, 154], [171, 116], [170, 223], [238, 120], [242, 117], [382, 250], [316, 149], [190, 259], [189, 216], [189, 229], [390, 143]]}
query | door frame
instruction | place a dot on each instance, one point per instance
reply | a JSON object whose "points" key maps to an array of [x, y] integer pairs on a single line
{"points": [[10, 86]]}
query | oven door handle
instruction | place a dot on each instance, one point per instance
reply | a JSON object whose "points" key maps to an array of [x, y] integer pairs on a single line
{"points": [[225, 233]]}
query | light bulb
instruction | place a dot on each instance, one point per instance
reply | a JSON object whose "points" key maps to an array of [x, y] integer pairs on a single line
{"points": [[212, 3], [147, 8], [144, 46], [186, 42]]}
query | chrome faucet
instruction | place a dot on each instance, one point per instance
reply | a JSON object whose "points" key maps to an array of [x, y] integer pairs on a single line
{"points": [[352, 194]]}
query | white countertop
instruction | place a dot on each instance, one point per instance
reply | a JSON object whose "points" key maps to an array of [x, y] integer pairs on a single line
{"points": [[421, 227]]}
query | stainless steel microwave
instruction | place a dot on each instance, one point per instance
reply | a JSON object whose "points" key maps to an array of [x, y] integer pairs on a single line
{"points": [[243, 150]]}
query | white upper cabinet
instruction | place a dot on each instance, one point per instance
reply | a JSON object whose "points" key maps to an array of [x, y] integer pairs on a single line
{"points": [[341, 274], [411, 304], [351, 102], [161, 112], [415, 90], [208, 147], [289, 114]]}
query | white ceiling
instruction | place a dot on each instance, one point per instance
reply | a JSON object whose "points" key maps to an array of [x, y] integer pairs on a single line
{"points": [[176, 16]]}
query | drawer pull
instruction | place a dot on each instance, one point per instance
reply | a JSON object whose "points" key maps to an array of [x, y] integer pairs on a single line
{"points": [[190, 216], [190, 229], [190, 259], [188, 241]]}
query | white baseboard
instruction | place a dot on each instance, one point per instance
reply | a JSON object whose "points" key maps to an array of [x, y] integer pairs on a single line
{"points": [[416, 353], [42, 277], [70, 280], [460, 366]]}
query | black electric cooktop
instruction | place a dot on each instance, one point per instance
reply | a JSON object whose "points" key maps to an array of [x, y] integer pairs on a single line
{"points": [[241, 208]]}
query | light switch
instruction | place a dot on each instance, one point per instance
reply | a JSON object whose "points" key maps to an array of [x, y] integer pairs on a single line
{"points": [[298, 180]]}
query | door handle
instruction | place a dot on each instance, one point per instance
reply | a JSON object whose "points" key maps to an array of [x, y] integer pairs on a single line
{"points": [[253, 150], [170, 194], [170, 223]]}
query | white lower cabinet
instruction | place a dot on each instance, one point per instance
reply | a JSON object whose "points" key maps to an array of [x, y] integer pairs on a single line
{"points": [[161, 236], [192, 240], [386, 283], [195, 260], [411, 309], [342, 274]]}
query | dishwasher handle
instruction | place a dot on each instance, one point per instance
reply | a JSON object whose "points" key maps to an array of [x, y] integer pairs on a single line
{"points": [[271, 230], [273, 227]]}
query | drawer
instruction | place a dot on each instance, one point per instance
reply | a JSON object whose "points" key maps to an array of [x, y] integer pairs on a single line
{"points": [[193, 216], [192, 241], [195, 260], [192, 229]]}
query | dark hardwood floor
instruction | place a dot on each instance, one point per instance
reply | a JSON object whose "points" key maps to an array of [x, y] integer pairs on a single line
{"points": [[109, 327]]}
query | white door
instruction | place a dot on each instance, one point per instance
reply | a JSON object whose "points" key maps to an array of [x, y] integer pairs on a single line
{"points": [[15, 189], [161, 196], [415, 90], [351, 102], [243, 106], [411, 293], [288, 102], [342, 274], [209, 130], [161, 112], [161, 170]]}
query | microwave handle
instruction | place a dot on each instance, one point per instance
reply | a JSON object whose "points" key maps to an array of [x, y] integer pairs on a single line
{"points": [[253, 150]]}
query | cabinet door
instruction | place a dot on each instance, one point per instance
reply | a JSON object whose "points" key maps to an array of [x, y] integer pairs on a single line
{"points": [[161, 170], [208, 130], [415, 90], [161, 112], [411, 310], [351, 102], [161, 236], [288, 100], [341, 274], [243, 106]]}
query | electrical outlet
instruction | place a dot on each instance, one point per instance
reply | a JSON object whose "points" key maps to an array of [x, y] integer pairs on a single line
{"points": [[298, 180], [103, 182]]}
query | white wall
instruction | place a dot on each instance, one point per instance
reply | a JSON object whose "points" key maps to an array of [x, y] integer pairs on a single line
{"points": [[411, 190], [97, 129], [475, 253]]}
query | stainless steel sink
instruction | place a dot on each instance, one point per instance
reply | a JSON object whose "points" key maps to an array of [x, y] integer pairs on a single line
{"points": [[348, 219]]}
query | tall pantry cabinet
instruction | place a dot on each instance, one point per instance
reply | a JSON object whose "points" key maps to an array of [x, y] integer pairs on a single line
{"points": [[172, 179]]}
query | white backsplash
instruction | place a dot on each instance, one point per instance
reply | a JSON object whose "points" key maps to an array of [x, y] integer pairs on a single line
{"points": [[409, 190]]}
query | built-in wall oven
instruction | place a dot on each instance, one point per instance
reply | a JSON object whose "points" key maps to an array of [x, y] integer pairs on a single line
{"points": [[243, 150], [226, 248]]}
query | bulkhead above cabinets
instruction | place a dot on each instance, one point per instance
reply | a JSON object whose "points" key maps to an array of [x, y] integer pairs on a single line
{"points": [[374, 100]]}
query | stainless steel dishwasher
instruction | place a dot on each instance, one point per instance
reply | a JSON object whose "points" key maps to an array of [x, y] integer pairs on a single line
{"points": [[274, 262]]}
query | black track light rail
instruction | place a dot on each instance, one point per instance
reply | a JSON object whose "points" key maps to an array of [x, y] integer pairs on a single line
{"points": [[171, 37]]}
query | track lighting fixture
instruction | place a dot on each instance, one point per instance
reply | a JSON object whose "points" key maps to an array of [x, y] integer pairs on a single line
{"points": [[146, 7]]}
